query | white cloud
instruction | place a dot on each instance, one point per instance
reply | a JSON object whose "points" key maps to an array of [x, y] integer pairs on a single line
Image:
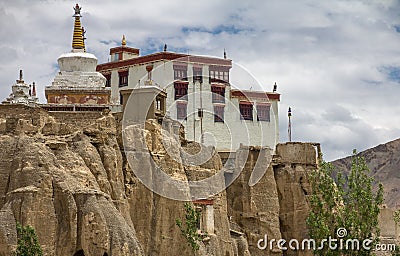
{"points": [[326, 56]]}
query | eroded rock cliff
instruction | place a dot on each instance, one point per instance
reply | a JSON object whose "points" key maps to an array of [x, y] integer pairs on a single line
{"points": [[68, 175], [67, 182]]}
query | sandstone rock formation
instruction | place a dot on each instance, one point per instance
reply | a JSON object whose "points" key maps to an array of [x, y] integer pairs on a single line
{"points": [[65, 181], [291, 175], [277, 206], [67, 175]]}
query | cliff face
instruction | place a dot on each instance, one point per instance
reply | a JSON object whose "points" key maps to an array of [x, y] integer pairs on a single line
{"points": [[67, 182], [296, 161], [277, 206], [66, 174]]}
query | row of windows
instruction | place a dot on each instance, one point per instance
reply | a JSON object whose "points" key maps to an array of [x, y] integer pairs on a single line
{"points": [[219, 75], [181, 91], [122, 79], [246, 112], [180, 73]]}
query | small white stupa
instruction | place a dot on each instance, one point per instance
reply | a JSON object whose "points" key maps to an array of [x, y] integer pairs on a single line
{"points": [[22, 93]]}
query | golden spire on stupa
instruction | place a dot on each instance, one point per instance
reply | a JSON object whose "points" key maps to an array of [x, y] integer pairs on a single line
{"points": [[78, 40], [123, 40]]}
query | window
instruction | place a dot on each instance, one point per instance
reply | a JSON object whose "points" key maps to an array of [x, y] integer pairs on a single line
{"points": [[121, 99], [116, 56], [108, 80], [181, 91], [226, 76], [181, 110], [158, 104], [218, 94], [218, 113], [246, 111], [180, 72], [123, 78], [263, 112], [219, 73], [197, 74]]}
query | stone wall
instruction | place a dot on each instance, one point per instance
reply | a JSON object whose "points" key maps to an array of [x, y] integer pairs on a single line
{"points": [[17, 118], [80, 119], [389, 230]]}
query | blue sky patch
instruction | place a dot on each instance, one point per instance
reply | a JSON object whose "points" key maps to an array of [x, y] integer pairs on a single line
{"points": [[392, 72], [108, 42], [230, 29]]}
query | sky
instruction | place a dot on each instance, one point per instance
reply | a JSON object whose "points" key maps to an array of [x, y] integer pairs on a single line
{"points": [[336, 63]]}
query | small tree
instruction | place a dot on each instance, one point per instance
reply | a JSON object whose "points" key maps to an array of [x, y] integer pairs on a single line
{"points": [[190, 231], [28, 244], [350, 205]]}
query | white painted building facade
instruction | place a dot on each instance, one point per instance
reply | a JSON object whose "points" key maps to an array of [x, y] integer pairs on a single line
{"points": [[193, 97]]}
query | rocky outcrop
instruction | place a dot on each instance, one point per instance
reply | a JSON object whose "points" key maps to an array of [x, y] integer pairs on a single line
{"points": [[255, 209], [277, 206], [69, 176], [68, 185], [295, 161]]}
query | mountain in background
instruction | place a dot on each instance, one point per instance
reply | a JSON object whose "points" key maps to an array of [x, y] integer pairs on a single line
{"points": [[384, 162]]}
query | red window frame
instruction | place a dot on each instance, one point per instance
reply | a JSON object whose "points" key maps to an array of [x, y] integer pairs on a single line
{"points": [[219, 73], [108, 80], [181, 111], [218, 94], [263, 112], [123, 78], [180, 72], [219, 113], [246, 111], [181, 91], [197, 74]]}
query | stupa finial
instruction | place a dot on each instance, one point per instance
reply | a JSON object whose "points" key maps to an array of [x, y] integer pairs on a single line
{"points": [[78, 38], [123, 40]]}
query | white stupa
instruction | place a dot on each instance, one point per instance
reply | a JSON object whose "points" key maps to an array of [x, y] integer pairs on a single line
{"points": [[78, 85], [22, 93]]}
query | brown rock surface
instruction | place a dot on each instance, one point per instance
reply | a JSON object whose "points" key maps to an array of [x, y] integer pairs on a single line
{"points": [[68, 186], [295, 161], [255, 209], [67, 175]]}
